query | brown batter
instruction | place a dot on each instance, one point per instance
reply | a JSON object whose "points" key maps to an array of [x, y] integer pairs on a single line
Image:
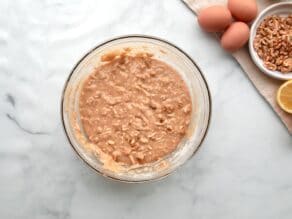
{"points": [[135, 109]]}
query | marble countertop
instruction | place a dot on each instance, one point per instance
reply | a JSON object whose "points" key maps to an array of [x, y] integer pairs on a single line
{"points": [[243, 169]]}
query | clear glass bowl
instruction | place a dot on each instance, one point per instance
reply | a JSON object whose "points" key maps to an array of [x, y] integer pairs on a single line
{"points": [[163, 51]]}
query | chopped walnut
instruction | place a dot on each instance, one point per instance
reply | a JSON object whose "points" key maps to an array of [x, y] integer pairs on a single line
{"points": [[273, 43]]}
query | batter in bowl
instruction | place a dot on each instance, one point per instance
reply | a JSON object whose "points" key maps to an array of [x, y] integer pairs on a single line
{"points": [[136, 109]]}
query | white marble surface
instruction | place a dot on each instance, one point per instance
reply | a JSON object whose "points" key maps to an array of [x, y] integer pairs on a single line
{"points": [[243, 169]]}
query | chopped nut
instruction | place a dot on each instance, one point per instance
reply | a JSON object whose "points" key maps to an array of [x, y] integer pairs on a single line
{"points": [[288, 62], [110, 142], [115, 154], [139, 155], [132, 159], [125, 127], [168, 108], [273, 43], [143, 140], [169, 127], [141, 148], [132, 141], [152, 73], [187, 108], [99, 130], [154, 105], [151, 136], [127, 150]]}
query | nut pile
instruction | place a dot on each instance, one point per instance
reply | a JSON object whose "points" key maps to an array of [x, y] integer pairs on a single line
{"points": [[273, 43]]}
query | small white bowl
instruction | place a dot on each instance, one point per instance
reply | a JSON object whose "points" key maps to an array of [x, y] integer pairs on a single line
{"points": [[283, 8]]}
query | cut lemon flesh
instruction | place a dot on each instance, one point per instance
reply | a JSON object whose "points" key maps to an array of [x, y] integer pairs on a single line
{"points": [[284, 96]]}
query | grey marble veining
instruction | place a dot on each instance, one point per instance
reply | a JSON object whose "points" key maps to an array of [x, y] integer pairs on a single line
{"points": [[243, 169]]}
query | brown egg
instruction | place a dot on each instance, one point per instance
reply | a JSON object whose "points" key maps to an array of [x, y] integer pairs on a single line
{"points": [[214, 18], [235, 36], [243, 10]]}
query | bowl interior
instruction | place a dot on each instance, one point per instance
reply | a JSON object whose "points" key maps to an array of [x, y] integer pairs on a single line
{"points": [[275, 9], [163, 51]]}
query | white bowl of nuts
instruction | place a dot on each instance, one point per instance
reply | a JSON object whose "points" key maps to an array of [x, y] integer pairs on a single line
{"points": [[270, 42]]}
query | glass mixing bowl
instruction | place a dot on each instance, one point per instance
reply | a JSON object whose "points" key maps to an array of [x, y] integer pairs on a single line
{"points": [[166, 52]]}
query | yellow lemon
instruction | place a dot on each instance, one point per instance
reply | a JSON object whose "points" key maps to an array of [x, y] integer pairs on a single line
{"points": [[284, 96]]}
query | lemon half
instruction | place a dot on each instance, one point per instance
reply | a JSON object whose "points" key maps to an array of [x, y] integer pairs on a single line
{"points": [[284, 96]]}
